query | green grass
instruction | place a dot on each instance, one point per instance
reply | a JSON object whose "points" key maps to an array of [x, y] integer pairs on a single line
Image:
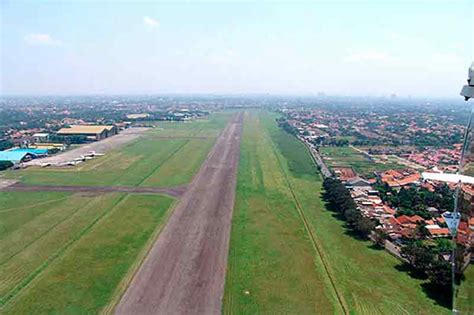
{"points": [[465, 296], [202, 127], [182, 166], [73, 253], [347, 156], [271, 255], [165, 156], [29, 249], [16, 210], [296, 156], [84, 278]]}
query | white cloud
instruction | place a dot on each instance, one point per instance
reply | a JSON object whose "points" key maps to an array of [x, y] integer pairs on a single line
{"points": [[371, 56], [41, 39], [395, 36], [150, 22], [446, 58]]}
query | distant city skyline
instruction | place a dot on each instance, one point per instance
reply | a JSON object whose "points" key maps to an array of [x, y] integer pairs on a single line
{"points": [[360, 48]]}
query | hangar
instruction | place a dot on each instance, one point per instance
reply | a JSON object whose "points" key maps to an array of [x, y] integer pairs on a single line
{"points": [[92, 132], [16, 157], [35, 151]]}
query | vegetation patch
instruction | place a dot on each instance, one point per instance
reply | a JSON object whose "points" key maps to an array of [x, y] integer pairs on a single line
{"points": [[84, 279], [31, 248], [263, 276], [272, 268], [349, 157], [464, 297], [295, 154]]}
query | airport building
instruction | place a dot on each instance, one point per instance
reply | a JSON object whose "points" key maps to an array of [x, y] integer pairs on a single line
{"points": [[92, 132], [16, 157]]}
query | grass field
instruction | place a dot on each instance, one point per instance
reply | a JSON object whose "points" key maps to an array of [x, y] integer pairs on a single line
{"points": [[270, 253], [74, 253], [274, 257], [165, 156], [347, 156], [465, 296], [75, 265]]}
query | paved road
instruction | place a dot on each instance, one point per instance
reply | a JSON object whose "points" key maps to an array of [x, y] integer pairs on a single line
{"points": [[173, 191], [319, 160], [184, 272]]}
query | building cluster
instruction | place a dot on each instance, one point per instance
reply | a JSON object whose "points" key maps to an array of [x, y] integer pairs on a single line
{"points": [[401, 227], [435, 157], [400, 178], [52, 123], [39, 145], [22, 118], [424, 138], [421, 141]]}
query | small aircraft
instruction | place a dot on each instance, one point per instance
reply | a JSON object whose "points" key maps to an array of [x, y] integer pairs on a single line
{"points": [[93, 153]]}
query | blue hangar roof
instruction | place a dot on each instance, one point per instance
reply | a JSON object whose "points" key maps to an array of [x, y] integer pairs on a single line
{"points": [[32, 151], [13, 156]]}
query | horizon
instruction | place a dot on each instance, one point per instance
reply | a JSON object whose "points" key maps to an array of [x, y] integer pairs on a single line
{"points": [[359, 49], [315, 95]]}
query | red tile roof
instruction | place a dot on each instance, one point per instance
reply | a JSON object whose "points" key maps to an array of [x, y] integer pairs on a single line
{"points": [[439, 232], [404, 219]]}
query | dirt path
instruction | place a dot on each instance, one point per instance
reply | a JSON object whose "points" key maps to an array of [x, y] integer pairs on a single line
{"points": [[184, 272], [173, 191]]}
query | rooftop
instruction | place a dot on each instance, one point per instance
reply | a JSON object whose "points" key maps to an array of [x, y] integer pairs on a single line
{"points": [[13, 156], [85, 129]]}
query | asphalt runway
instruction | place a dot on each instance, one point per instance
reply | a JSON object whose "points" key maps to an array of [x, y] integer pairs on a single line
{"points": [[184, 272]]}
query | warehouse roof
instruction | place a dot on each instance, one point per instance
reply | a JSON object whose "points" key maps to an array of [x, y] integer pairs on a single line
{"points": [[137, 116], [450, 178], [41, 135], [13, 156], [85, 129]]}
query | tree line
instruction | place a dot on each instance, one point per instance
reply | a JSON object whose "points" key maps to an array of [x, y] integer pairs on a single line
{"points": [[428, 263], [424, 258], [340, 201]]}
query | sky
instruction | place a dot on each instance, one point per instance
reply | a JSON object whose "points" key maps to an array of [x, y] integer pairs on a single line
{"points": [[361, 48]]}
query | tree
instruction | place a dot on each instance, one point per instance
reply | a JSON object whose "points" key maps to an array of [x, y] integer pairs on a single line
{"points": [[379, 237], [444, 245], [340, 200], [440, 274], [5, 144], [421, 232], [364, 226], [418, 255], [352, 216], [5, 164]]}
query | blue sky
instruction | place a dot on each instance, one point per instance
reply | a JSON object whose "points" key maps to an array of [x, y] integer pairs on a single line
{"points": [[417, 48]]}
